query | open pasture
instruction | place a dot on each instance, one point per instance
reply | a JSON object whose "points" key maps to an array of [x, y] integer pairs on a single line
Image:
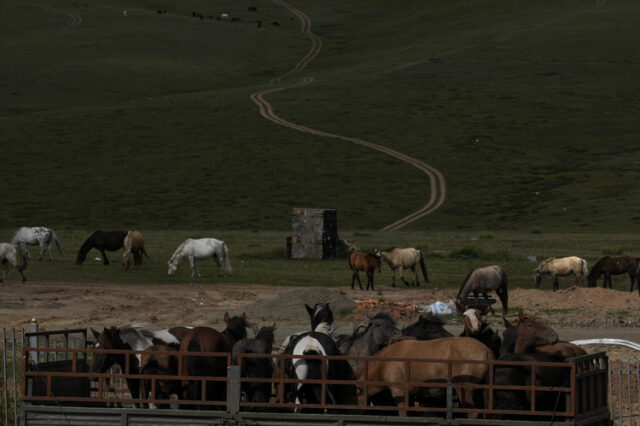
{"points": [[145, 120]]}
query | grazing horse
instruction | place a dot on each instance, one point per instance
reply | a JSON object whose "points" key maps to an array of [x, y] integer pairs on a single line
{"points": [[201, 249], [366, 262], [427, 327], [561, 267], [368, 340], [402, 258], [127, 336], [160, 360], [38, 235], [481, 280], [614, 266], [110, 241], [205, 339], [257, 392], [400, 372], [133, 244], [12, 254]]}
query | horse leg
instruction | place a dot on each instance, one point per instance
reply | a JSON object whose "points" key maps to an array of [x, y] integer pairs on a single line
{"points": [[194, 269], [556, 285], [401, 272], [415, 276], [105, 259], [42, 249], [632, 277], [398, 397], [393, 278], [217, 262], [370, 279], [5, 270]]}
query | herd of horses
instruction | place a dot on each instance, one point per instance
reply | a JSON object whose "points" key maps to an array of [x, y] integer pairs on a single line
{"points": [[375, 376]]}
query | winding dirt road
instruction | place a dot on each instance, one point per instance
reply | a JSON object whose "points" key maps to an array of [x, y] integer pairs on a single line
{"points": [[437, 185]]}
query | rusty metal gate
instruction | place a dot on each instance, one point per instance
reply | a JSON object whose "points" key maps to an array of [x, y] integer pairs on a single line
{"points": [[53, 371]]}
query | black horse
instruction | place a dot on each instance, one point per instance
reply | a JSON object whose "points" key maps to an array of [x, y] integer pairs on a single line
{"points": [[426, 328], [110, 241], [256, 392], [614, 266]]}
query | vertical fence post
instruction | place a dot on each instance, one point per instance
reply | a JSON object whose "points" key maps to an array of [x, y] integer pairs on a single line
{"points": [[4, 382], [33, 340], [233, 389], [15, 378]]}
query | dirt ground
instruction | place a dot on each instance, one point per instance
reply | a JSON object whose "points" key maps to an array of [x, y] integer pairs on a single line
{"points": [[575, 312]]}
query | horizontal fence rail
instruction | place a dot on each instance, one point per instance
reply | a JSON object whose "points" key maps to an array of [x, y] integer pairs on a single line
{"points": [[52, 369], [570, 406]]}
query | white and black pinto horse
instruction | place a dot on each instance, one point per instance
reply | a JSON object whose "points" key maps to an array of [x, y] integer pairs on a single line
{"points": [[131, 335], [38, 235], [316, 342], [9, 253]]}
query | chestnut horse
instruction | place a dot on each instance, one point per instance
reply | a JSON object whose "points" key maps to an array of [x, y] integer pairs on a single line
{"points": [[160, 360], [205, 339], [366, 262], [614, 266], [561, 266], [133, 244], [463, 374]]}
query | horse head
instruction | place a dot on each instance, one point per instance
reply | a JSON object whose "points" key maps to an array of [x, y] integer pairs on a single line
{"points": [[320, 314], [173, 267], [472, 321], [109, 338], [126, 260], [537, 277], [532, 332]]}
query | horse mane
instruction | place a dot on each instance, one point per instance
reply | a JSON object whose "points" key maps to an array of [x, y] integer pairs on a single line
{"points": [[465, 282], [544, 262], [178, 251], [430, 317]]}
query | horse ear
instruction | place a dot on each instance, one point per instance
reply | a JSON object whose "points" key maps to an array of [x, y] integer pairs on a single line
{"points": [[507, 323], [274, 326], [227, 320], [309, 309], [460, 307], [95, 333], [520, 315]]}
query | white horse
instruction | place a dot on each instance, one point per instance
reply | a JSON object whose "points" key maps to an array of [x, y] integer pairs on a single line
{"points": [[201, 249], [38, 235], [561, 266], [9, 253]]}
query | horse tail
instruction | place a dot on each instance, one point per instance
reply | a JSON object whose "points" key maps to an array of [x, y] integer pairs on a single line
{"points": [[55, 239], [585, 269], [424, 269], [503, 294], [227, 262], [349, 262]]}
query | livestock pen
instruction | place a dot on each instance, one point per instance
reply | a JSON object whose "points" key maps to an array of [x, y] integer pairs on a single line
{"points": [[55, 387]]}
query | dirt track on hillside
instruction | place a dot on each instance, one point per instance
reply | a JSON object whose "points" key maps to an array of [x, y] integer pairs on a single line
{"points": [[437, 187]]}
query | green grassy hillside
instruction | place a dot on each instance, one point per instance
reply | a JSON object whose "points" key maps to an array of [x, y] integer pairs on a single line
{"points": [[529, 110]]}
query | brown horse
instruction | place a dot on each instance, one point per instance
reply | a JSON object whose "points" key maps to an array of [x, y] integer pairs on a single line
{"points": [[614, 266], [561, 351], [133, 244], [205, 339], [366, 262], [160, 360], [463, 374], [109, 240], [532, 332]]}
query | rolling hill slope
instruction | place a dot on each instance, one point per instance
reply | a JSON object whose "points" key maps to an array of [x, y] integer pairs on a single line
{"points": [[529, 111]]}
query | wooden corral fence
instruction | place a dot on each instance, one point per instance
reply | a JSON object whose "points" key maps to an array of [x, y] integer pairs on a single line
{"points": [[46, 383]]}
